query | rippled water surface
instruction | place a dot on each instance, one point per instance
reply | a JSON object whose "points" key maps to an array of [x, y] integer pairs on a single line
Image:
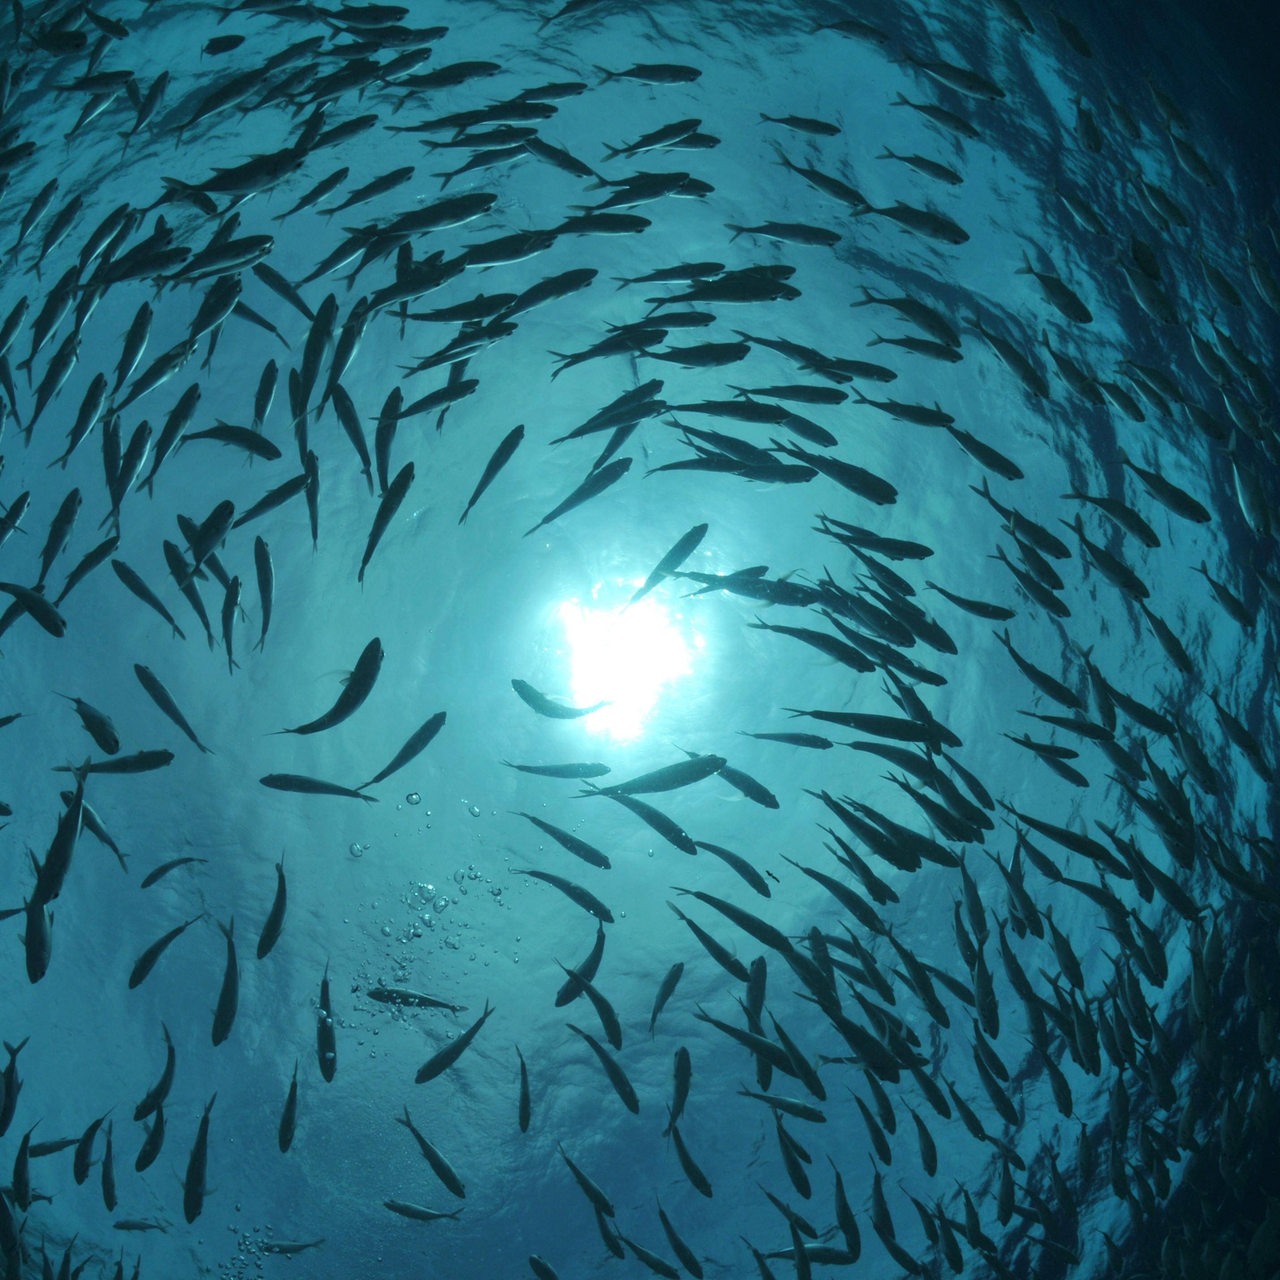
{"points": [[852, 433]]}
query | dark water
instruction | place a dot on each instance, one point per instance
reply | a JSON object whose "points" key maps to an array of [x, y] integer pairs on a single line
{"points": [[1113, 950]]}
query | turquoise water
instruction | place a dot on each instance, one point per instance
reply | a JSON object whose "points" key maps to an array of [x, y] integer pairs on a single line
{"points": [[1123, 163]]}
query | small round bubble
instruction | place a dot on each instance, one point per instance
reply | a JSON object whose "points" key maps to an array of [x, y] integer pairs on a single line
{"points": [[413, 798]]}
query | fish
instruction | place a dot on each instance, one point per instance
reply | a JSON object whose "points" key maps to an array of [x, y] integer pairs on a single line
{"points": [[151, 956], [1059, 294], [525, 1107], [193, 1192], [923, 165], [567, 840], [579, 771], [387, 509], [274, 923], [149, 1152], [357, 688], [139, 762], [290, 1248], [591, 487], [501, 456], [545, 706], [925, 222], [97, 724], [411, 999], [622, 1085], [165, 701], [962, 79], [668, 778], [326, 1034], [33, 602], [303, 785], [687, 544], [158, 1092], [289, 1115], [144, 593], [1168, 494], [670, 830], [445, 1058], [439, 1165], [417, 1212], [135, 343], [417, 743], [574, 892]]}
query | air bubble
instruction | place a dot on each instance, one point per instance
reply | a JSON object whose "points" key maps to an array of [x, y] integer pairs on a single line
{"points": [[413, 798]]}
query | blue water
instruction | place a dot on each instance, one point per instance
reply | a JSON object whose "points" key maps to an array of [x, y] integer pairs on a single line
{"points": [[1168, 1146]]}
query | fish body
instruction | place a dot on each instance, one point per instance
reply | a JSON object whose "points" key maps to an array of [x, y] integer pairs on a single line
{"points": [[160, 1090], [417, 743], [417, 1212], [439, 1165], [668, 778], [411, 999], [501, 456], [193, 1187], [165, 701], [567, 840], [387, 509], [574, 892], [148, 959], [275, 917], [356, 690], [326, 1035], [447, 1056], [289, 1115], [545, 706]]}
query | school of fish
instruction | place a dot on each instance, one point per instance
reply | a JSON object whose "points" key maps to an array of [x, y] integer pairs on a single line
{"points": [[982, 983]]}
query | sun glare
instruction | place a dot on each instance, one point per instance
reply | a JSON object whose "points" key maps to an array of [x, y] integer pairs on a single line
{"points": [[628, 656]]}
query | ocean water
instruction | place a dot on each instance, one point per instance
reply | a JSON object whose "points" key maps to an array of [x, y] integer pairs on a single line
{"points": [[1092, 915]]}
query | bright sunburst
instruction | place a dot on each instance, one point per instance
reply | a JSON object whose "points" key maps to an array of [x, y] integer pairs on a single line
{"points": [[627, 656]]}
